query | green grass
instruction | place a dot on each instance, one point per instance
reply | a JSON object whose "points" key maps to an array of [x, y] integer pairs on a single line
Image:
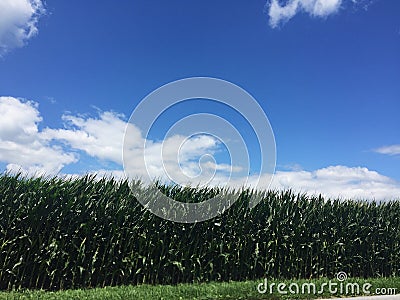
{"points": [[229, 291]]}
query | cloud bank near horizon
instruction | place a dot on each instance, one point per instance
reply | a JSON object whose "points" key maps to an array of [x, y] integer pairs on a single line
{"points": [[25, 147]]}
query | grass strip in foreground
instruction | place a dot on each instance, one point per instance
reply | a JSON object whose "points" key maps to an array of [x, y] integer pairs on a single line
{"points": [[225, 290]]}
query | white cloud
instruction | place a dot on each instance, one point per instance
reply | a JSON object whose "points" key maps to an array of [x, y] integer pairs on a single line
{"points": [[340, 181], [332, 182], [21, 143], [99, 137], [176, 158], [389, 150], [317, 8], [18, 22], [24, 147]]}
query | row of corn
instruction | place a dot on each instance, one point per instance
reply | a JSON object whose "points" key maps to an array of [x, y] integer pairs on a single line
{"points": [[59, 233]]}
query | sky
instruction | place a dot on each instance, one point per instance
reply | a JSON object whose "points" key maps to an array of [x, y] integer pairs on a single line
{"points": [[325, 73]]}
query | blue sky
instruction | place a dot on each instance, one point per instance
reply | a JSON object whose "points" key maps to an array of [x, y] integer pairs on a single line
{"points": [[326, 73]]}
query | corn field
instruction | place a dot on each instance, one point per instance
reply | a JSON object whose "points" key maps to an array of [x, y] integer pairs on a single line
{"points": [[87, 232]]}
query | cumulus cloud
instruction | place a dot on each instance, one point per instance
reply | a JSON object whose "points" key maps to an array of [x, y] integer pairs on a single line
{"points": [[18, 22], [340, 182], [335, 182], [176, 158], [99, 137], [389, 150], [280, 13], [22, 145], [184, 160]]}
